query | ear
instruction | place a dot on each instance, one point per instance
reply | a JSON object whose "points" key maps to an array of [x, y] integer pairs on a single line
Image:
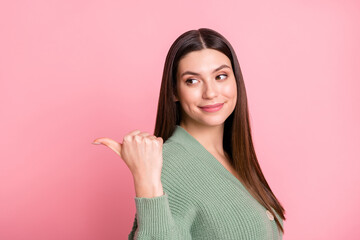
{"points": [[175, 99]]}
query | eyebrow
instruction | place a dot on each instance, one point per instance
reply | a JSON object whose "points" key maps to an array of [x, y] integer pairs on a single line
{"points": [[197, 74]]}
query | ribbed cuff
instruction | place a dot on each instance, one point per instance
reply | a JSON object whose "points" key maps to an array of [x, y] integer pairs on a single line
{"points": [[154, 215]]}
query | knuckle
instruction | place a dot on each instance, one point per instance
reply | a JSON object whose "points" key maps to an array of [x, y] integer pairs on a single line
{"points": [[137, 138], [158, 141], [127, 138]]}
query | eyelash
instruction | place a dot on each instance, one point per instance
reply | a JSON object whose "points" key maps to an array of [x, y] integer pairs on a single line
{"points": [[195, 79]]}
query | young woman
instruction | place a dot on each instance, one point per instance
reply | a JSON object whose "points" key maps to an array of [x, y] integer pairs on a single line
{"points": [[198, 176]]}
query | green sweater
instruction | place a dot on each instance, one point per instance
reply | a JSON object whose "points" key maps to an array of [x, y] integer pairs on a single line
{"points": [[202, 200]]}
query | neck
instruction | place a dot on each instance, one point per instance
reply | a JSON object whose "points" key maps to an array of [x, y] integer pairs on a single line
{"points": [[211, 137]]}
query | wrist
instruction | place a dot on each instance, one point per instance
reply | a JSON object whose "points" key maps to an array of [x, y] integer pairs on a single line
{"points": [[148, 189]]}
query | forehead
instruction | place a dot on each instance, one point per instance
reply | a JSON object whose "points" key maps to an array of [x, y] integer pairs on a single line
{"points": [[203, 60]]}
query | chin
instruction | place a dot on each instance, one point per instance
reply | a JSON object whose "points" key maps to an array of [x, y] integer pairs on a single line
{"points": [[212, 122]]}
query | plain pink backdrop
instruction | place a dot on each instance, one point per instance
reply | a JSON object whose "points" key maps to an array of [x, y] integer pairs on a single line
{"points": [[73, 71]]}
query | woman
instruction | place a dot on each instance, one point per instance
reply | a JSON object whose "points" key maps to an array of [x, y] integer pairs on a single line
{"points": [[198, 176]]}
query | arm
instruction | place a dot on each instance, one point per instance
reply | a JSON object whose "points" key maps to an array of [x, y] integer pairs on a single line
{"points": [[142, 153], [170, 215]]}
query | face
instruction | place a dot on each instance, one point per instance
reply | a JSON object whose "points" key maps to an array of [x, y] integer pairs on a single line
{"points": [[204, 78]]}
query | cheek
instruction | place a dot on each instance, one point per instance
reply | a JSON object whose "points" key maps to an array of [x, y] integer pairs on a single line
{"points": [[230, 90], [189, 96]]}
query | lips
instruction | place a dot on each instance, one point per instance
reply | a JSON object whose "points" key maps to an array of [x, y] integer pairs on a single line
{"points": [[212, 108]]}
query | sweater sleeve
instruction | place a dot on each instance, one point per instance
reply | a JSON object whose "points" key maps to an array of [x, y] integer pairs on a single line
{"points": [[153, 219], [169, 216]]}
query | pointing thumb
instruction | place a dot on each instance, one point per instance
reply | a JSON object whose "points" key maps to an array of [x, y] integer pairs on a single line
{"points": [[115, 146]]}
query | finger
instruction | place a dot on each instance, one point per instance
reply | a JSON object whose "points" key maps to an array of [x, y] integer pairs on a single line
{"points": [[133, 133], [130, 135], [161, 141], [115, 146], [144, 134]]}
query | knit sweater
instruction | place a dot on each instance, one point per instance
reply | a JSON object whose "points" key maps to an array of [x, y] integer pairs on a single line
{"points": [[201, 200]]}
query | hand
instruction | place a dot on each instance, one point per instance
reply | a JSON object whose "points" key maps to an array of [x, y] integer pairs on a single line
{"points": [[142, 153]]}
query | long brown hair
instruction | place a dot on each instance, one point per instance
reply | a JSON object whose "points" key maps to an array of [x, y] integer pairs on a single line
{"points": [[237, 140]]}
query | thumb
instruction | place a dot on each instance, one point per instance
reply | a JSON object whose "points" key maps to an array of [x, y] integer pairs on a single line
{"points": [[115, 146]]}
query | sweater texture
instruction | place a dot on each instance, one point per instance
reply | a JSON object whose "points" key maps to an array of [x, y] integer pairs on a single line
{"points": [[202, 200]]}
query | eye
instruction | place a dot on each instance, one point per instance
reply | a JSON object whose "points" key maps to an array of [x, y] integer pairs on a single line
{"points": [[188, 81], [222, 75]]}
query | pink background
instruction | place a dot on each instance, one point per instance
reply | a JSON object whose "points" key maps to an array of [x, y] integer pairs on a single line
{"points": [[73, 71]]}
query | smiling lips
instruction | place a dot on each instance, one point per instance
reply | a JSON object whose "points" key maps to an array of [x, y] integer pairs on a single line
{"points": [[212, 108]]}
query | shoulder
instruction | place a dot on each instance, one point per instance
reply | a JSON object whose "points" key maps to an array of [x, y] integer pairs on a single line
{"points": [[175, 154], [170, 147], [177, 162]]}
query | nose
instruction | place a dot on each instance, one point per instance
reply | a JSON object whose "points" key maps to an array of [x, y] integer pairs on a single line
{"points": [[210, 90]]}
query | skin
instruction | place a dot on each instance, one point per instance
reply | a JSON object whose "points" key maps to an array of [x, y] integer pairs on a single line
{"points": [[142, 152], [206, 88]]}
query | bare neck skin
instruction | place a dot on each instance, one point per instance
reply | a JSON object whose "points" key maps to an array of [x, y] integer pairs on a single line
{"points": [[211, 137]]}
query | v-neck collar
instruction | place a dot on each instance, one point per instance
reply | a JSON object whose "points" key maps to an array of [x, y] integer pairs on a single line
{"points": [[184, 138]]}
